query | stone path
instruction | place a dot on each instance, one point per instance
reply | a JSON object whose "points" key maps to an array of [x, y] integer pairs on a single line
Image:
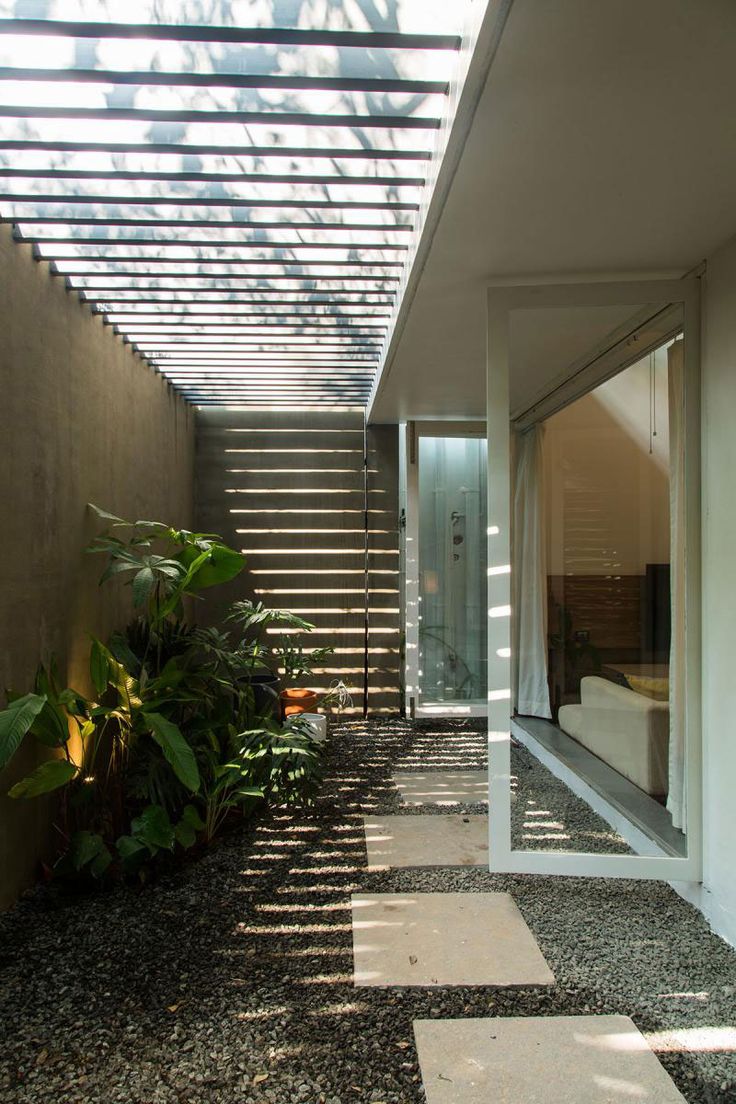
{"points": [[230, 981]]}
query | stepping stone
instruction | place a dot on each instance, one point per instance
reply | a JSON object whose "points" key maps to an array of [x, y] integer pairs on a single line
{"points": [[443, 787], [540, 1060], [444, 939], [453, 840]]}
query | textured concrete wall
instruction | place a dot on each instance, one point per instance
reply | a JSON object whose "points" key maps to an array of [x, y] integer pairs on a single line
{"points": [[81, 419], [288, 488]]}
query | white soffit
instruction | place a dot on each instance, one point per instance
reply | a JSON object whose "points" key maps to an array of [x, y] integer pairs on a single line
{"points": [[603, 146]]}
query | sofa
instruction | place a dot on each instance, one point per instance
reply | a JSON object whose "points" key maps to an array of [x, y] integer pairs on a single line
{"points": [[627, 730]]}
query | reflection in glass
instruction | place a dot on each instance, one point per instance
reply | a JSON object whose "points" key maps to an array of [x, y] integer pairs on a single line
{"points": [[452, 570]]}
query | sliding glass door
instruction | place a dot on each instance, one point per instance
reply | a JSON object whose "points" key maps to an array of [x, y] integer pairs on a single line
{"points": [[593, 580]]}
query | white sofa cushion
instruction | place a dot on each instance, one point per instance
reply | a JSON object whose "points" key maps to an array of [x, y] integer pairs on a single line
{"points": [[627, 730]]}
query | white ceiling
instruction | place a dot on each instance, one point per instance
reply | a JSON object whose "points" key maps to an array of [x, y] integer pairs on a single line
{"points": [[604, 144]]}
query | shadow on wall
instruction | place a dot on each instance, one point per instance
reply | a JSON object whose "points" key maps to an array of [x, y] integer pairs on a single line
{"points": [[288, 489]]}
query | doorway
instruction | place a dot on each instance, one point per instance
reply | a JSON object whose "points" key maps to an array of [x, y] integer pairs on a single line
{"points": [[445, 510]]}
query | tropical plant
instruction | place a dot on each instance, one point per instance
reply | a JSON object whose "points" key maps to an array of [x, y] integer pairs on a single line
{"points": [[184, 563], [170, 745], [296, 661]]}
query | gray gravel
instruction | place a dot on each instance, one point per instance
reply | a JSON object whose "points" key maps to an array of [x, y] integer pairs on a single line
{"points": [[230, 981], [568, 824]]}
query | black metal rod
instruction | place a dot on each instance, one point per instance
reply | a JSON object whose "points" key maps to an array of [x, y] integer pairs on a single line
{"points": [[243, 243], [224, 80], [191, 320], [228, 224], [240, 298], [185, 115], [210, 177], [187, 149], [236, 262], [273, 36], [70, 199], [306, 278], [215, 341], [220, 317]]}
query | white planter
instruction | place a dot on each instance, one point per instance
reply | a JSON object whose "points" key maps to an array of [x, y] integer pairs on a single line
{"points": [[318, 724]]}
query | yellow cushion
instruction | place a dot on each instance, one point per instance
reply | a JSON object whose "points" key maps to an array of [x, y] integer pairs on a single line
{"points": [[656, 688]]}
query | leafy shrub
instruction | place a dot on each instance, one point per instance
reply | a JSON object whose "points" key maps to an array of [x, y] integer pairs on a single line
{"points": [[171, 743]]}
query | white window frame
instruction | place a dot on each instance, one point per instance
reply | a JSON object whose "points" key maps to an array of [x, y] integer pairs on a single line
{"points": [[501, 301]]}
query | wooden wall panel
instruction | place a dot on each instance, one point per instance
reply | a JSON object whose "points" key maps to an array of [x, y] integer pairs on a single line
{"points": [[289, 489]]}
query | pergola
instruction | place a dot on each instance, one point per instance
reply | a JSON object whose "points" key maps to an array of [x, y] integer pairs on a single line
{"points": [[240, 203]]}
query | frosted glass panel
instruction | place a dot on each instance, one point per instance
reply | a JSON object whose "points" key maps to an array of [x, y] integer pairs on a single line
{"points": [[452, 570]]}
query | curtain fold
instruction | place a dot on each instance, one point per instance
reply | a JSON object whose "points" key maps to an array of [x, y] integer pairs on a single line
{"points": [[529, 667], [677, 791]]}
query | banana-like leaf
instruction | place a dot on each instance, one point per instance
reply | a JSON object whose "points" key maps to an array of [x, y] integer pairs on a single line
{"points": [[175, 748], [51, 726], [98, 666], [16, 721], [47, 777]]}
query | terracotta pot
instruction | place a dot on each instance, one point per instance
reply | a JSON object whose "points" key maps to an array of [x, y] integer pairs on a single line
{"points": [[295, 701]]}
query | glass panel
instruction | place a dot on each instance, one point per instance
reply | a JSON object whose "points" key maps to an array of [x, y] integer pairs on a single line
{"points": [[603, 480], [452, 570]]}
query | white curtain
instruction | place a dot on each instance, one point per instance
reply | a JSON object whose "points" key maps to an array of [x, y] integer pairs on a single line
{"points": [[677, 792], [531, 690]]}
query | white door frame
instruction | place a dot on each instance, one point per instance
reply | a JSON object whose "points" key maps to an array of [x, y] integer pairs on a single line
{"points": [[501, 301], [410, 432]]}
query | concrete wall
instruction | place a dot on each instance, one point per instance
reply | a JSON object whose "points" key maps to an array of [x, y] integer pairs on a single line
{"points": [[719, 589], [287, 488], [81, 419]]}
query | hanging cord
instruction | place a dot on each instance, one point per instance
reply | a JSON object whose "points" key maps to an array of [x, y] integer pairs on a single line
{"points": [[652, 402]]}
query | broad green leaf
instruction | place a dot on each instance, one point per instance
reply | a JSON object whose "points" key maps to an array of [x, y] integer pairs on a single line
{"points": [[16, 721], [154, 828], [88, 729], [132, 853], [188, 826], [175, 748], [221, 565], [116, 566], [73, 702], [88, 848], [47, 777], [51, 726], [143, 583], [98, 667], [102, 660], [105, 515]]}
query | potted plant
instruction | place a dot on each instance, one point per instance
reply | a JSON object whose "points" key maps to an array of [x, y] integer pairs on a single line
{"points": [[297, 663], [257, 659]]}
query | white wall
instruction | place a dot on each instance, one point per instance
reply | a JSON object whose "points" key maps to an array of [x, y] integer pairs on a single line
{"points": [[719, 589], [607, 496]]}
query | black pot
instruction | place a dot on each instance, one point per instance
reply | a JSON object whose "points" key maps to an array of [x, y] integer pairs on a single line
{"points": [[265, 685]]}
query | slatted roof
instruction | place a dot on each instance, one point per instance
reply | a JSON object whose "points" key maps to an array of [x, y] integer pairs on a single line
{"points": [[235, 186]]}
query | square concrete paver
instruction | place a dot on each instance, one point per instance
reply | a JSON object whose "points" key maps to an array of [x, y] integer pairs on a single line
{"points": [[443, 787], [451, 840], [444, 939], [533, 1060]]}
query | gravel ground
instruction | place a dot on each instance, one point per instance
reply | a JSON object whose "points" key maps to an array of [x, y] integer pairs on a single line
{"points": [[229, 982], [545, 814]]}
